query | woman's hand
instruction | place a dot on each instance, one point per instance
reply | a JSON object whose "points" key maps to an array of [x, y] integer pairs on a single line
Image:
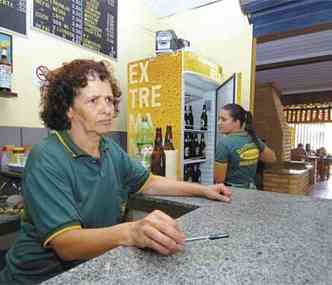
{"points": [[157, 231], [218, 192]]}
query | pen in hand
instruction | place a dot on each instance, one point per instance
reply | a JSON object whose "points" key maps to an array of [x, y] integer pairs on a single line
{"points": [[210, 237]]}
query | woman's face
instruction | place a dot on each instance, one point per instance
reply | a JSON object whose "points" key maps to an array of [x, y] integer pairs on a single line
{"points": [[226, 123], [93, 109]]}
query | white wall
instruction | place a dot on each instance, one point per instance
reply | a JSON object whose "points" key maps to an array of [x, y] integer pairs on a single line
{"points": [[221, 33], [135, 40]]}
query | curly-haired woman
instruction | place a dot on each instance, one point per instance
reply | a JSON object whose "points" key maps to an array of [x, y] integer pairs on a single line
{"points": [[76, 181]]}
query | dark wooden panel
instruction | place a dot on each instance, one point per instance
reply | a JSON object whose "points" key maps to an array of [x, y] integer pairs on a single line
{"points": [[307, 98]]}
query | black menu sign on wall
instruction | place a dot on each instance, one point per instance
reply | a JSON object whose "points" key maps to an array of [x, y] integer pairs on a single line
{"points": [[90, 23], [13, 15]]}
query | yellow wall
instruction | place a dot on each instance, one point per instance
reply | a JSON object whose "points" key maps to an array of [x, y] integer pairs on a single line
{"points": [[135, 40], [221, 33]]}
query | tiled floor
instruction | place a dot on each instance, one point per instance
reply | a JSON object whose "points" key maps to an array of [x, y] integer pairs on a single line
{"points": [[322, 189]]}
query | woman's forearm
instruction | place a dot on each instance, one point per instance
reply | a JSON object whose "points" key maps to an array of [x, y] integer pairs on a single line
{"points": [[162, 186], [84, 244]]}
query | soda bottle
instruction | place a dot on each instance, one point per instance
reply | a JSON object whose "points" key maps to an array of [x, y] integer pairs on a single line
{"points": [[144, 141]]}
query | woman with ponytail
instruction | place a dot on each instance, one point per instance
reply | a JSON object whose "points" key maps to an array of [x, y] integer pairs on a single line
{"points": [[238, 153]]}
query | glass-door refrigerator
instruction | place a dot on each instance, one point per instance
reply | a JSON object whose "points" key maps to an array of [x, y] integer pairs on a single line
{"points": [[177, 90]]}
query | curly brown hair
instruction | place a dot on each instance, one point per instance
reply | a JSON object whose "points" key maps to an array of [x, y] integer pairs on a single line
{"points": [[63, 84]]}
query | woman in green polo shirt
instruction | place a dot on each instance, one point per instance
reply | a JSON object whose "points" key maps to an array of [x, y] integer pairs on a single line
{"points": [[76, 181], [240, 149]]}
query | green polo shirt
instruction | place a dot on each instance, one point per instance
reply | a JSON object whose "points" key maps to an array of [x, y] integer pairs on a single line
{"points": [[241, 155], [65, 188]]}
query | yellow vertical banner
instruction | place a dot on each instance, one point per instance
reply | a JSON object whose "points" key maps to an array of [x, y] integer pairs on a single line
{"points": [[238, 83], [154, 91]]}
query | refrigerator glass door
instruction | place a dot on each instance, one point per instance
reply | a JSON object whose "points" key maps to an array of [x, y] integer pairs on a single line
{"points": [[225, 94]]}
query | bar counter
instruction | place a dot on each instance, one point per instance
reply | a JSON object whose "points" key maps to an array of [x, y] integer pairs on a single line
{"points": [[274, 239]]}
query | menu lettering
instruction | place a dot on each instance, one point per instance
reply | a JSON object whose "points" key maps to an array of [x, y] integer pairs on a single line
{"points": [[90, 23], [13, 15]]}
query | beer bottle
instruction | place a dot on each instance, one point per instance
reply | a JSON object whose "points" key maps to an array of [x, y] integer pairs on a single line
{"points": [[5, 72], [185, 173], [158, 155], [194, 173], [190, 173], [196, 147], [198, 174], [204, 119], [186, 118], [170, 155], [168, 143], [186, 146], [191, 118], [190, 142], [202, 146]]}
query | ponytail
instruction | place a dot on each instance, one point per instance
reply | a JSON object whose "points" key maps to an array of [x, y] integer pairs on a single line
{"points": [[245, 118], [250, 129]]}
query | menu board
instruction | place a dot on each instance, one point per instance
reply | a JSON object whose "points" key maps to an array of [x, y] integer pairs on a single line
{"points": [[13, 15], [90, 23]]}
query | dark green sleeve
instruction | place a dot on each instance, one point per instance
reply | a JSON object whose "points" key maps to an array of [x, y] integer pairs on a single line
{"points": [[133, 174], [47, 190], [222, 153]]}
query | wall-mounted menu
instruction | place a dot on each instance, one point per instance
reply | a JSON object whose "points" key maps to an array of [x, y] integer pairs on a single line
{"points": [[90, 23], [13, 15]]}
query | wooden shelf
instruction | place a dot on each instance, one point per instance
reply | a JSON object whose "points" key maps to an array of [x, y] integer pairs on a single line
{"points": [[6, 94]]}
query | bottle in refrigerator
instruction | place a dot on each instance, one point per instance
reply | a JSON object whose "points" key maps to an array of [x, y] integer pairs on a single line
{"points": [[190, 173], [158, 155], [204, 119], [195, 146], [196, 173], [186, 117], [191, 118], [202, 146], [186, 146]]}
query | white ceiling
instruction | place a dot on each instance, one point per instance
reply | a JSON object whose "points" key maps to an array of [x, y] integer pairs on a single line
{"points": [[298, 78], [164, 8]]}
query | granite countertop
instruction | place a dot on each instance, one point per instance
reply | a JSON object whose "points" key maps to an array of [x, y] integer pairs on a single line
{"points": [[274, 239]]}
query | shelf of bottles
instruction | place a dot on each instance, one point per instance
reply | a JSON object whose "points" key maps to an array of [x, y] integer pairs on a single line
{"points": [[194, 140]]}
